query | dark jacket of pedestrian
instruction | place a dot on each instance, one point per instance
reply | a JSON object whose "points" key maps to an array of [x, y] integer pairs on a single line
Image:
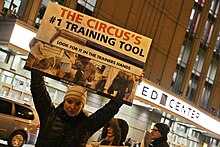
{"points": [[57, 127], [160, 142]]}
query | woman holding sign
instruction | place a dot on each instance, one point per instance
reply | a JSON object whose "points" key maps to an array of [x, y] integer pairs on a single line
{"points": [[67, 125]]}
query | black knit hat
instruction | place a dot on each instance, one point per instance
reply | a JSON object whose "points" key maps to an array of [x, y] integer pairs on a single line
{"points": [[163, 129]]}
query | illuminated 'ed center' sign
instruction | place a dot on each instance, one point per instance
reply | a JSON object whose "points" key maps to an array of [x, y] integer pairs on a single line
{"points": [[177, 106]]}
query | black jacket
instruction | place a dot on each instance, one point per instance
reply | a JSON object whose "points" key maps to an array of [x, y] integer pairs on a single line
{"points": [[160, 142], [57, 129]]}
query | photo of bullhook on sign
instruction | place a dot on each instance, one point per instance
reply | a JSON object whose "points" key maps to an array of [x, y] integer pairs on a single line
{"points": [[78, 49]]}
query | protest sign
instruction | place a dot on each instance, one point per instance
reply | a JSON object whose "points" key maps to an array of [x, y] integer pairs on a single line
{"points": [[78, 49]]}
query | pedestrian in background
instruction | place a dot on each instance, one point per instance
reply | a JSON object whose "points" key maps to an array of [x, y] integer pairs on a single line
{"points": [[113, 134], [118, 128], [157, 137]]}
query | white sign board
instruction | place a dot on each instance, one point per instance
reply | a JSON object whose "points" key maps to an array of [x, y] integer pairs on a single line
{"points": [[173, 104], [62, 22], [78, 49]]}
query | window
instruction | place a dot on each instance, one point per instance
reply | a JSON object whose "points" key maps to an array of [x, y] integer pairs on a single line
{"points": [[180, 68], [196, 71], [43, 9], [195, 17], [181, 129], [22, 63], [192, 144], [11, 7], [40, 14], [18, 62], [19, 82], [214, 8], [205, 97], [207, 32], [5, 107], [5, 90], [212, 71], [196, 134], [16, 94], [213, 142], [192, 86], [28, 85], [200, 2], [217, 46], [86, 6], [194, 21], [3, 56], [27, 98], [184, 53], [199, 62], [177, 80], [15, 63], [7, 77], [23, 112]]}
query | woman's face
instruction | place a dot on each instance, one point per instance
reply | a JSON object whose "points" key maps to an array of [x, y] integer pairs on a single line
{"points": [[110, 131], [72, 107]]}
